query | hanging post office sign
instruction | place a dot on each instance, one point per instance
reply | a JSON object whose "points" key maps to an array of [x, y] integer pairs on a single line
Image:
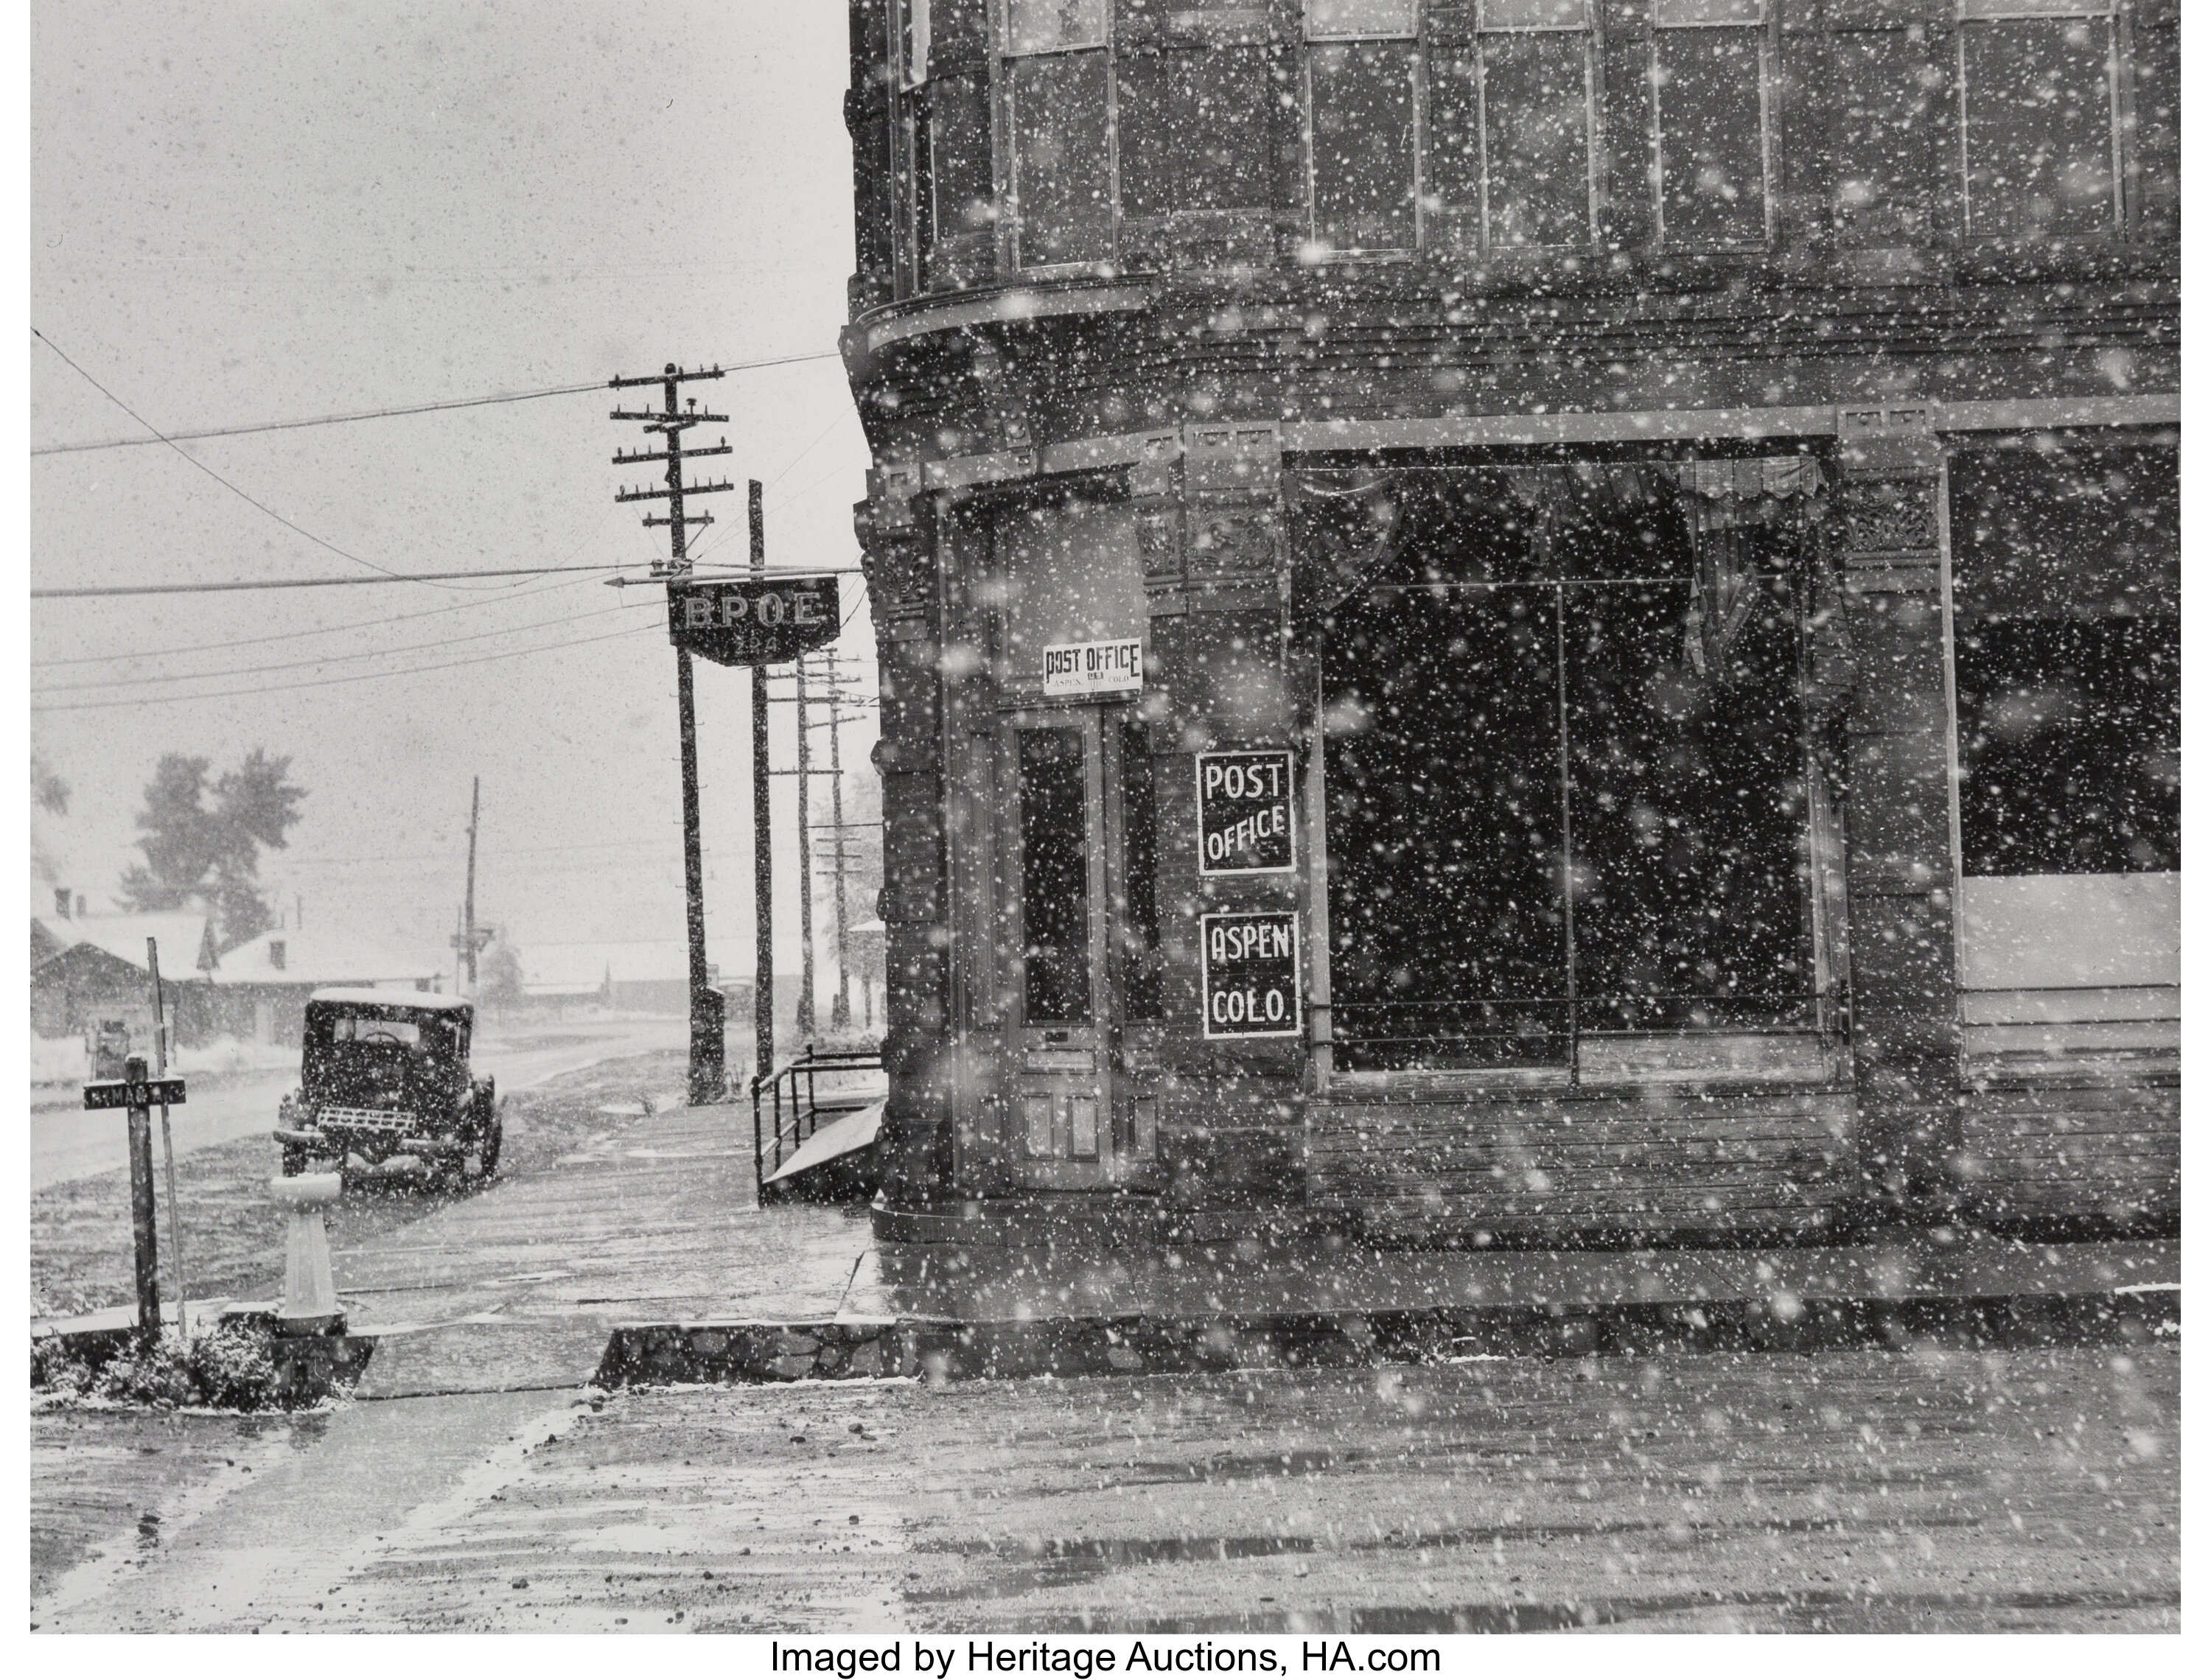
{"points": [[1093, 667], [753, 620], [1245, 824], [1249, 972]]}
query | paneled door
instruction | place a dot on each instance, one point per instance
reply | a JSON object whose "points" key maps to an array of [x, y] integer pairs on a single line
{"points": [[1071, 1117]]}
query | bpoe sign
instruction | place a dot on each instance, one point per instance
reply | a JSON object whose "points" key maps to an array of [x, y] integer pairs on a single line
{"points": [[1244, 826], [753, 620], [1093, 667], [1248, 966]]}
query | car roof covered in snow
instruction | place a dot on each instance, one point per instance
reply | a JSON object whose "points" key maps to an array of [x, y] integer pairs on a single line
{"points": [[393, 999]]}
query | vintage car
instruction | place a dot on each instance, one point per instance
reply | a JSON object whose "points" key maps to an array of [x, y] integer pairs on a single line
{"points": [[385, 1074]]}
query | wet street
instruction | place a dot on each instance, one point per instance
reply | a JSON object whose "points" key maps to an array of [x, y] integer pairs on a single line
{"points": [[1861, 1491], [65, 1145]]}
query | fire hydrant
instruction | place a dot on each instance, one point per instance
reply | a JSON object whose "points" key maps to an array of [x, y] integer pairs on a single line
{"points": [[310, 1299]]}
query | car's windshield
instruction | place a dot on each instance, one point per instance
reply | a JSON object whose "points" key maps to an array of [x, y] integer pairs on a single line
{"points": [[373, 1030]]}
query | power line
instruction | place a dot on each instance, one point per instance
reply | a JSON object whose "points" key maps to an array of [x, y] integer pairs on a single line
{"points": [[303, 582], [329, 682], [388, 414], [499, 599], [332, 659], [160, 436]]}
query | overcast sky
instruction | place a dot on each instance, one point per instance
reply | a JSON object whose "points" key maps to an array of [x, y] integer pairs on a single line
{"points": [[265, 209]]}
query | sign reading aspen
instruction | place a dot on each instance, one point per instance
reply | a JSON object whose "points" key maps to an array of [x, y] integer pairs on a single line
{"points": [[1093, 667], [1244, 826], [1249, 969]]}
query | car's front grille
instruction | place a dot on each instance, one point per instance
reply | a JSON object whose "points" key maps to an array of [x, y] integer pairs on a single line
{"points": [[373, 1119]]}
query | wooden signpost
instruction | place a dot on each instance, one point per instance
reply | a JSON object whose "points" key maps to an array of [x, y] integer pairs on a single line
{"points": [[136, 1094]]}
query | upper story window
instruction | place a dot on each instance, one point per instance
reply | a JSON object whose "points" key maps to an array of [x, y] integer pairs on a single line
{"points": [[946, 75], [2038, 118], [1195, 93], [1710, 99], [1059, 97], [1462, 126], [1507, 153]]}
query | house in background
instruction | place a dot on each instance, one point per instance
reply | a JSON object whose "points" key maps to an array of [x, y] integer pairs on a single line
{"points": [[87, 970], [258, 990]]}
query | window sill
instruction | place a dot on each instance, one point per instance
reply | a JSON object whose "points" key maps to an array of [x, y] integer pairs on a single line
{"points": [[1761, 1061]]}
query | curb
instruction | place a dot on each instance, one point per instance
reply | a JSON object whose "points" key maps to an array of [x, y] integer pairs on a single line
{"points": [[750, 1352]]}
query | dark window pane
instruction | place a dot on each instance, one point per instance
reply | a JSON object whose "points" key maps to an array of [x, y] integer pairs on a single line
{"points": [[1536, 102], [1444, 827], [1141, 996], [959, 156], [1060, 166], [1711, 138], [1362, 147], [1194, 129], [1055, 877], [1453, 175], [1885, 109], [1148, 164], [2038, 126], [2066, 580], [1690, 906]]}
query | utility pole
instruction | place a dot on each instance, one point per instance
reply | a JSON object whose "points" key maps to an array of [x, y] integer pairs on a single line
{"points": [[805, 866], [763, 834], [709, 1077], [469, 909]]}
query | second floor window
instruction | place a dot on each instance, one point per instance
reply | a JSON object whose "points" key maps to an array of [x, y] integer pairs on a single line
{"points": [[1059, 88], [2038, 118], [1709, 98]]}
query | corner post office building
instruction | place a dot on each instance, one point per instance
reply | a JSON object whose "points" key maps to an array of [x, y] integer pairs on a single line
{"points": [[1523, 622]]}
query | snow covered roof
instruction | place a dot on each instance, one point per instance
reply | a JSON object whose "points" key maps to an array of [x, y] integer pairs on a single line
{"points": [[394, 998], [181, 938], [318, 956]]}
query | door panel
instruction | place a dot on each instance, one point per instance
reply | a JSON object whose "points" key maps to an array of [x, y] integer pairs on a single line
{"points": [[1078, 1124]]}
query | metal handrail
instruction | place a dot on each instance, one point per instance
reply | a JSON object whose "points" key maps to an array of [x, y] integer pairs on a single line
{"points": [[782, 1139]]}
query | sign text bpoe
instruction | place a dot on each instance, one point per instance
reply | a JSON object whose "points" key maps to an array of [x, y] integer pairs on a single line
{"points": [[752, 621]]}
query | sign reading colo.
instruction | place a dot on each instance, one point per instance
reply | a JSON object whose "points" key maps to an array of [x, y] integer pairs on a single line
{"points": [[1244, 826], [1249, 969], [753, 620]]}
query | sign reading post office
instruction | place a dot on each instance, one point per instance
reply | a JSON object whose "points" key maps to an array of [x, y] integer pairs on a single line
{"points": [[1093, 667], [752, 621], [1244, 826], [1248, 966]]}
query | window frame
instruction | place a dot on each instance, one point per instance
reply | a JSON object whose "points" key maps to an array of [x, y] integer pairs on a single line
{"points": [[1820, 894], [1977, 14], [1007, 162], [1765, 24], [1421, 35]]}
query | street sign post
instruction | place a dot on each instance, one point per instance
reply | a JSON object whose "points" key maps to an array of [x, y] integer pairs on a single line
{"points": [[136, 1094]]}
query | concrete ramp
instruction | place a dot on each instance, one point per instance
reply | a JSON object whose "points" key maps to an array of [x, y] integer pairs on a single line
{"points": [[837, 1163]]}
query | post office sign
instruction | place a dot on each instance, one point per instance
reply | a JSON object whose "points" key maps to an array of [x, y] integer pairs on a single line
{"points": [[1244, 813], [1249, 969], [753, 620], [1093, 667]]}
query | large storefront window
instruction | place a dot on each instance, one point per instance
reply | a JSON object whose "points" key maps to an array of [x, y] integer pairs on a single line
{"points": [[2065, 581], [2038, 118], [1059, 86], [1566, 776], [1709, 99]]}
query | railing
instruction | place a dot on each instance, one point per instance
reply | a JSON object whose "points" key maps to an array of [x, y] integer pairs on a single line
{"points": [[796, 1117]]}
